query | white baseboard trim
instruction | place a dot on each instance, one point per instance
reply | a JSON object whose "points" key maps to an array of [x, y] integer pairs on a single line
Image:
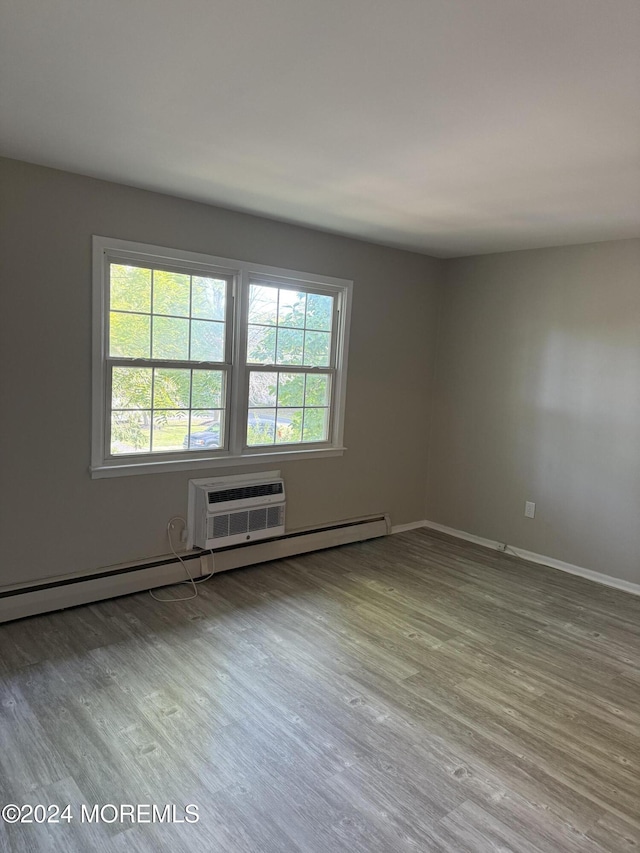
{"points": [[461, 534], [412, 525], [532, 557], [71, 590]]}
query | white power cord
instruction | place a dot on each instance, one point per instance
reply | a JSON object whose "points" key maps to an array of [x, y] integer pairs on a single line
{"points": [[503, 548], [190, 580]]}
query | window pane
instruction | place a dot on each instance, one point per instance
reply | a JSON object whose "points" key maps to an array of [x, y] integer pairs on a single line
{"points": [[290, 346], [291, 389], [316, 425], [207, 430], [292, 308], [262, 389], [319, 312], [263, 304], [129, 335], [131, 388], [207, 341], [261, 345], [317, 390], [130, 288], [206, 390], [317, 349], [261, 425], [171, 389], [171, 293], [130, 432], [170, 338], [208, 298], [289, 426], [169, 428]]}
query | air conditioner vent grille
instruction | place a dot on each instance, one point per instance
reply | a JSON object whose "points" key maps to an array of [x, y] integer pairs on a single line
{"points": [[257, 519], [220, 526], [238, 523], [249, 521], [240, 493]]}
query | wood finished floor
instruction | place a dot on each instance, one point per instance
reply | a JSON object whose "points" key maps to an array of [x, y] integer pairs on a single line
{"points": [[412, 693]]}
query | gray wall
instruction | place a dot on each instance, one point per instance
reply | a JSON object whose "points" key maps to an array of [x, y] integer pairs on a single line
{"points": [[537, 397], [53, 518], [537, 394]]}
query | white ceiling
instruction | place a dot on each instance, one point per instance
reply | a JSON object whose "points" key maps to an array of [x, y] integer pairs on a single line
{"points": [[445, 126]]}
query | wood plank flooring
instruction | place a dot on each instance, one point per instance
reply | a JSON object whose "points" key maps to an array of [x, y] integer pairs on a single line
{"points": [[412, 693]]}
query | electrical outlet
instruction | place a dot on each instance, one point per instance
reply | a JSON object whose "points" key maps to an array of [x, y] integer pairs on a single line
{"points": [[177, 530], [529, 509]]}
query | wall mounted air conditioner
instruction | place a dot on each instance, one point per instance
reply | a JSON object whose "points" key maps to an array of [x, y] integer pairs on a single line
{"points": [[235, 513]]}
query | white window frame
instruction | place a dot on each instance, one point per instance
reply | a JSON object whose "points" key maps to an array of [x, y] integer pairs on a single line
{"points": [[236, 452]]}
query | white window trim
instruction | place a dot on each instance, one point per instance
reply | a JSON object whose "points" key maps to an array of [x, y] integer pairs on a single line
{"points": [[106, 249]]}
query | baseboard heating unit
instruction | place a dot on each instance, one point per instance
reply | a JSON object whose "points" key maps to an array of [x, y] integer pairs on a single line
{"points": [[71, 590]]}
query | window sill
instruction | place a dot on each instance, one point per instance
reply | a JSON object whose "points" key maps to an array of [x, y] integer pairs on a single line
{"points": [[100, 472]]}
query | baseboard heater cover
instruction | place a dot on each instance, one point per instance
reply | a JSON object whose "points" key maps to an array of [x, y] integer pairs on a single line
{"points": [[16, 603]]}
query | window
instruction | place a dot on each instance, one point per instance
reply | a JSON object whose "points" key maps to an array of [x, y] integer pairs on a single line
{"points": [[201, 361]]}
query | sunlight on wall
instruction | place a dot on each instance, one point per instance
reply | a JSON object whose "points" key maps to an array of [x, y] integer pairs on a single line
{"points": [[590, 375]]}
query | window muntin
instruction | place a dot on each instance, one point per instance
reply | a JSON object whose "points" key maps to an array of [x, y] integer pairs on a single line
{"points": [[163, 317], [165, 409], [289, 327], [292, 329], [288, 408], [162, 314], [175, 380]]}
